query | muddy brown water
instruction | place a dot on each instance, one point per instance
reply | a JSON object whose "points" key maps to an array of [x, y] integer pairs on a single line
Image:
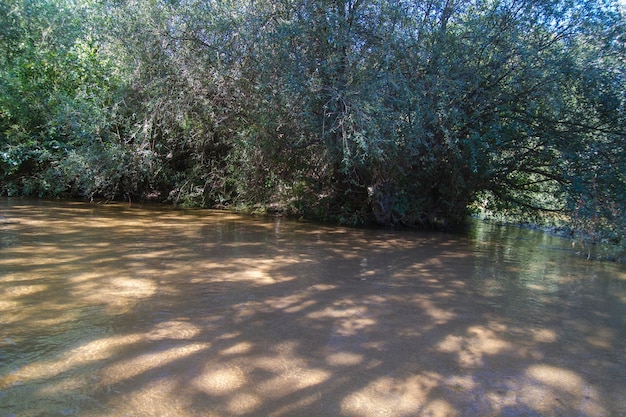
{"points": [[110, 310]]}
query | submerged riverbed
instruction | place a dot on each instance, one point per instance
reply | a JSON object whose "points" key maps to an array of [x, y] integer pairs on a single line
{"points": [[110, 310]]}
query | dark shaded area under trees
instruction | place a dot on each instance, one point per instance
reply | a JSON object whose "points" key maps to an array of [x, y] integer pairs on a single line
{"points": [[393, 112]]}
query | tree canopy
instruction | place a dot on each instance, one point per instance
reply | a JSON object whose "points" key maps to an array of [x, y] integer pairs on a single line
{"points": [[395, 112]]}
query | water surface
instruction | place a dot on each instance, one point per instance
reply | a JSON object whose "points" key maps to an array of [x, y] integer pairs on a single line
{"points": [[110, 310]]}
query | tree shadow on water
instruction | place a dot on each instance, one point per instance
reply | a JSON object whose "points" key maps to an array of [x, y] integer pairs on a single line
{"points": [[155, 313]]}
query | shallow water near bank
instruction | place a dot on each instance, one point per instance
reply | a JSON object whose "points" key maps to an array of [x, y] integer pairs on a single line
{"points": [[110, 310]]}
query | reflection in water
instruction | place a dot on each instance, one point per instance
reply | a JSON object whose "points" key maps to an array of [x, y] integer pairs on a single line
{"points": [[110, 311]]}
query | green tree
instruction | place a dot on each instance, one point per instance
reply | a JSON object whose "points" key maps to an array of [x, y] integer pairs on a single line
{"points": [[396, 112], [57, 88]]}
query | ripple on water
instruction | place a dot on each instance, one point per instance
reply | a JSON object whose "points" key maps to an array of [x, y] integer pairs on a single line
{"points": [[173, 329]]}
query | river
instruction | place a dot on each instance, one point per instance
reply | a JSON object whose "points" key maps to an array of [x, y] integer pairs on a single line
{"points": [[111, 310]]}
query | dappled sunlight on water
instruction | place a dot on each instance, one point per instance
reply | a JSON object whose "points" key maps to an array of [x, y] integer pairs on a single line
{"points": [[109, 310]]}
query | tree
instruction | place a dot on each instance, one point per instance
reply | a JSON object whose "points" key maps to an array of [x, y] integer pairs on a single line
{"points": [[57, 88], [395, 112]]}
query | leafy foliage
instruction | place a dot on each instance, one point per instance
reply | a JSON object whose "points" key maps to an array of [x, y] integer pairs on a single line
{"points": [[395, 112]]}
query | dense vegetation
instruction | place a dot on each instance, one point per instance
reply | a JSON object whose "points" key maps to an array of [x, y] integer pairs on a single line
{"points": [[397, 112]]}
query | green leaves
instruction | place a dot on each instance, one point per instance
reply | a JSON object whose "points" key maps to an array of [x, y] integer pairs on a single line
{"points": [[397, 112]]}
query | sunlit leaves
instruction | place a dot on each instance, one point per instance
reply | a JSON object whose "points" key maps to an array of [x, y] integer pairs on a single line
{"points": [[399, 112]]}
